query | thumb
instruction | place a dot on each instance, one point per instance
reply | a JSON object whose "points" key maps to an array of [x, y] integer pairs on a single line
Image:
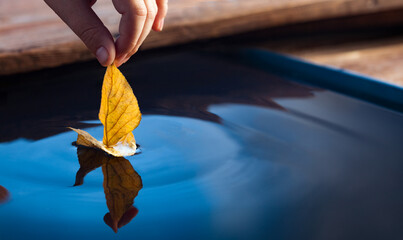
{"points": [[79, 16]]}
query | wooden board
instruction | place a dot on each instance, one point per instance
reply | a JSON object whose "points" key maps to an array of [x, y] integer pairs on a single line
{"points": [[32, 37]]}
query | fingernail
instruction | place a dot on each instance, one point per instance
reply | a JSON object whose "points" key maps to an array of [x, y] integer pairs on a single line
{"points": [[102, 55], [161, 25]]}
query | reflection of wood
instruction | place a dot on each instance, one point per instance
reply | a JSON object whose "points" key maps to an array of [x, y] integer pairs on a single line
{"points": [[32, 37]]}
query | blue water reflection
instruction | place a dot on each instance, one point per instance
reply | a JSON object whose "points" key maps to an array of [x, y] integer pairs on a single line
{"points": [[233, 154], [234, 180]]}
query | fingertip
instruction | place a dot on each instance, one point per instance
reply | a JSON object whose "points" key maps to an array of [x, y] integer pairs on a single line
{"points": [[120, 60], [102, 56], [126, 59], [118, 63], [123, 60], [105, 54], [158, 25], [162, 13]]}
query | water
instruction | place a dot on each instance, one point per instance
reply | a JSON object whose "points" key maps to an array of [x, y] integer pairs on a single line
{"points": [[227, 152]]}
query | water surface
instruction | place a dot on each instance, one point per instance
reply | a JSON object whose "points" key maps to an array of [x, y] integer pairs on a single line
{"points": [[227, 152]]}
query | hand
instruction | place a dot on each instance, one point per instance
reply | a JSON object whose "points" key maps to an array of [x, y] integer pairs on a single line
{"points": [[138, 18]]}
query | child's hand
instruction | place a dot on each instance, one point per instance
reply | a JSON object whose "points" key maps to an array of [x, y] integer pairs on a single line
{"points": [[138, 17]]}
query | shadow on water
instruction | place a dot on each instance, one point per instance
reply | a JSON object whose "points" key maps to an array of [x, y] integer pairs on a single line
{"points": [[42, 104], [121, 184]]}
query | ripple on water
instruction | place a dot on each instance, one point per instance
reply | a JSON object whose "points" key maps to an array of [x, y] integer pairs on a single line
{"points": [[231, 178]]}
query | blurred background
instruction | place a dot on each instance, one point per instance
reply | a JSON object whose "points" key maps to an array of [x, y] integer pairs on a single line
{"points": [[364, 36]]}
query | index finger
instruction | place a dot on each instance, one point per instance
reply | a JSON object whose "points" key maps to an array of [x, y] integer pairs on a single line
{"points": [[134, 13]]}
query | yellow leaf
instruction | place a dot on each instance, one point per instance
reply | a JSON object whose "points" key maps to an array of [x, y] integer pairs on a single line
{"points": [[119, 112], [120, 115], [85, 139]]}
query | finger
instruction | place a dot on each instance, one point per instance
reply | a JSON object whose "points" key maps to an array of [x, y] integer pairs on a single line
{"points": [[151, 13], [79, 16], [162, 12], [134, 14]]}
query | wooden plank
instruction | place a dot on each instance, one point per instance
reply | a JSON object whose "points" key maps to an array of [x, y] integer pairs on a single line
{"points": [[32, 37]]}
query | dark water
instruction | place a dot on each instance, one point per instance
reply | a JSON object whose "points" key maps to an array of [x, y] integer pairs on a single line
{"points": [[227, 152]]}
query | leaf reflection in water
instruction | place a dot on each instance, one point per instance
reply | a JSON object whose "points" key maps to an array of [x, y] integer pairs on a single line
{"points": [[4, 194], [121, 184]]}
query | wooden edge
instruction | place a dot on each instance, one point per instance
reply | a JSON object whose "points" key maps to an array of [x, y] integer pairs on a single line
{"points": [[64, 53]]}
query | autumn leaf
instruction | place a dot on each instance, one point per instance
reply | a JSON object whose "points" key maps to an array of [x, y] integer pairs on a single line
{"points": [[85, 139], [120, 115], [119, 112]]}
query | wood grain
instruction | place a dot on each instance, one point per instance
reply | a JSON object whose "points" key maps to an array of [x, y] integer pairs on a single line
{"points": [[33, 37]]}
